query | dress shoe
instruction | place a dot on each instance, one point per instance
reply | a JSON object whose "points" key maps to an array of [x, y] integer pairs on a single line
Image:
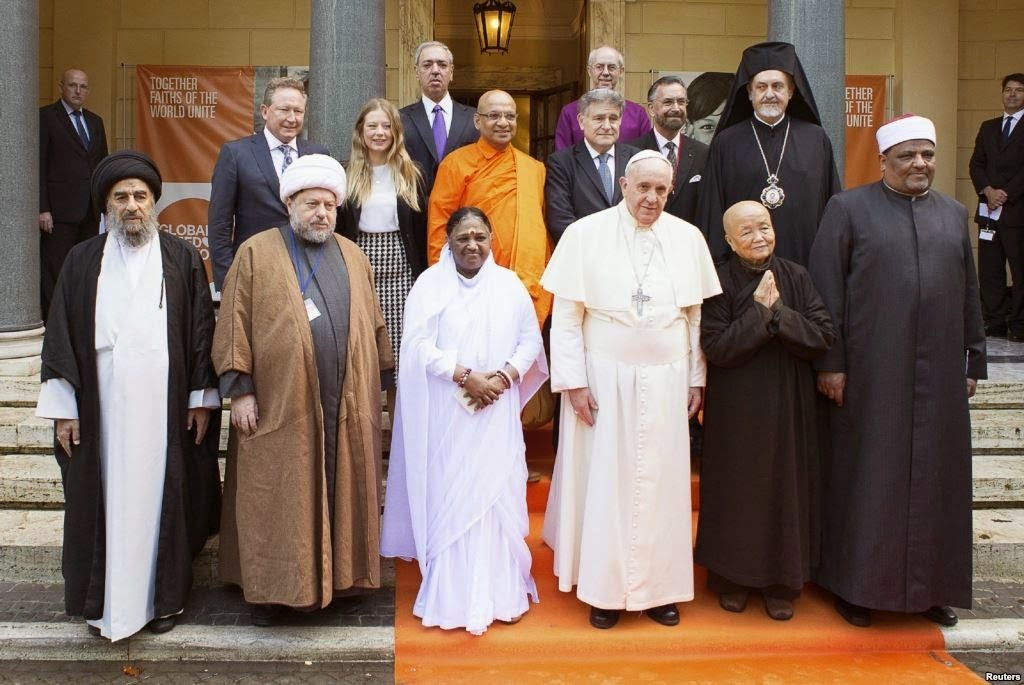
{"points": [[603, 618], [162, 625], [734, 601], [93, 630], [779, 609], [854, 615], [666, 614], [262, 615], [944, 616]]}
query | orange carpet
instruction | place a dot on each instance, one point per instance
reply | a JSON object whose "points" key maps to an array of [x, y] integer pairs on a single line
{"points": [[554, 642]]}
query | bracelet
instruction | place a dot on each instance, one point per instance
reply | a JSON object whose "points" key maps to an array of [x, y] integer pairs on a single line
{"points": [[505, 377], [464, 377]]}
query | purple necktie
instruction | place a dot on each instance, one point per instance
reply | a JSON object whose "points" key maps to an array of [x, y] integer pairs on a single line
{"points": [[440, 134]]}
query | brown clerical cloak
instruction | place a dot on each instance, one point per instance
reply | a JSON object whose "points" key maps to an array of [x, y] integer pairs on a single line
{"points": [[278, 541], [897, 275], [759, 478]]}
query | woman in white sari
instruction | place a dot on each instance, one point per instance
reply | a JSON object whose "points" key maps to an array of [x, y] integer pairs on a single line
{"points": [[456, 496]]}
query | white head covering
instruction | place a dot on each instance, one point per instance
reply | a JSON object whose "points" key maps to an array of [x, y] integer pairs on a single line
{"points": [[904, 128], [314, 171], [645, 154]]}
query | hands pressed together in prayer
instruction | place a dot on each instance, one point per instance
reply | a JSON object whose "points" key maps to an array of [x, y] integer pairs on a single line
{"points": [[483, 388], [767, 292]]}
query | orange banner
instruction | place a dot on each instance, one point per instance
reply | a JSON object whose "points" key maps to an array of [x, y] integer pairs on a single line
{"points": [[865, 112], [183, 114]]}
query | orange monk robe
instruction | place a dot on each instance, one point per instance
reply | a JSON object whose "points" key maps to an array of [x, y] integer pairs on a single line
{"points": [[509, 187]]}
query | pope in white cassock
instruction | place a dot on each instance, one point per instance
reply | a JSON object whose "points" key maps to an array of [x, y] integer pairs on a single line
{"points": [[127, 377], [625, 352]]}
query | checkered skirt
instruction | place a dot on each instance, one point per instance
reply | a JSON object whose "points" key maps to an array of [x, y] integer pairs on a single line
{"points": [[393, 278]]}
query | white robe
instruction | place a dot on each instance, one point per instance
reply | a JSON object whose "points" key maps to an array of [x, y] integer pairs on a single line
{"points": [[618, 514], [456, 495], [132, 367]]}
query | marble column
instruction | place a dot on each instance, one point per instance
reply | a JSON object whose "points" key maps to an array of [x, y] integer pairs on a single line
{"points": [[20, 325], [346, 68], [818, 30]]}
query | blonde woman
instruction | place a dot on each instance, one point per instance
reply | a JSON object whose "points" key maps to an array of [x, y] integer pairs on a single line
{"points": [[385, 213]]}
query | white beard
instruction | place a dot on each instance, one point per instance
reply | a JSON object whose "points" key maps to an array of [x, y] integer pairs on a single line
{"points": [[133, 238]]}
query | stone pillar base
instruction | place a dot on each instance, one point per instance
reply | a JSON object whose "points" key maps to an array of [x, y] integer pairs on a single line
{"points": [[19, 352]]}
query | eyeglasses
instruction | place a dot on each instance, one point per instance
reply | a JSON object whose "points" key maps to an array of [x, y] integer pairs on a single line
{"points": [[668, 102], [494, 116], [610, 68]]}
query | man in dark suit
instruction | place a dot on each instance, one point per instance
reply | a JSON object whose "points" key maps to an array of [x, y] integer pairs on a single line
{"points": [[584, 178], [666, 101], [997, 171], [436, 124], [71, 143], [245, 192]]}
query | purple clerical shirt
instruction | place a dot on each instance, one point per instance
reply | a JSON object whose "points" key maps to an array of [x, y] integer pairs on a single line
{"points": [[635, 123]]}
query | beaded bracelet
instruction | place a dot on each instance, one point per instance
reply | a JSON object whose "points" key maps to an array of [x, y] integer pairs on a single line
{"points": [[463, 378], [505, 377]]}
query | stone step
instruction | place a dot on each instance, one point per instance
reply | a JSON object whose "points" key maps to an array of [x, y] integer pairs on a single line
{"points": [[998, 395], [30, 550], [998, 544], [998, 479], [997, 431], [71, 642]]}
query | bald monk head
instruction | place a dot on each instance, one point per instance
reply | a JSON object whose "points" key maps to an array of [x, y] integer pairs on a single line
{"points": [[749, 231], [495, 118]]}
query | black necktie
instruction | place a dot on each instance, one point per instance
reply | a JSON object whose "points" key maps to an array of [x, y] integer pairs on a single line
{"points": [[80, 127], [1007, 122]]}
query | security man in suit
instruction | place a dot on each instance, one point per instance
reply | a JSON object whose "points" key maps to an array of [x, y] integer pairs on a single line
{"points": [[997, 171], [584, 178], [666, 101], [436, 124], [245, 191], [71, 143]]}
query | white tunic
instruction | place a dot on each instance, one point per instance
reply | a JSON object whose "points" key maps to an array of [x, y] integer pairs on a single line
{"points": [[618, 515]]}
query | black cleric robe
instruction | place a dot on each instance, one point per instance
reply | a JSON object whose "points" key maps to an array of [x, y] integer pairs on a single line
{"points": [[735, 171], [191, 497], [759, 480], [897, 275]]}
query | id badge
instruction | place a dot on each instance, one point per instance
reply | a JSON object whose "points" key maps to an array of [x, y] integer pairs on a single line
{"points": [[311, 311], [987, 234]]}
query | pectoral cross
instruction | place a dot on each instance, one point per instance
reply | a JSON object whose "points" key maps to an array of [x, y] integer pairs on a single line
{"points": [[639, 298]]}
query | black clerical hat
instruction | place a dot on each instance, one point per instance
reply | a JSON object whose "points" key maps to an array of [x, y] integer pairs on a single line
{"points": [[764, 57]]}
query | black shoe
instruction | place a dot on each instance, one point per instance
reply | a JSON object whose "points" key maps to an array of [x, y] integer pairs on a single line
{"points": [[666, 614], [162, 625], [777, 608], [854, 615], [942, 615], [262, 614], [93, 630], [603, 618], [734, 601]]}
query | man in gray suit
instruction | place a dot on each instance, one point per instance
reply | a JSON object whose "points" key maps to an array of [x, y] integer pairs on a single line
{"points": [[245, 193], [584, 178], [436, 124]]}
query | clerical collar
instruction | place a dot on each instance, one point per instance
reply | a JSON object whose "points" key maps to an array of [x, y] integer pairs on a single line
{"points": [[912, 197], [771, 126]]}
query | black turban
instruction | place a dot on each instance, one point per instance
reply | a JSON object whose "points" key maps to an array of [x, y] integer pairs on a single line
{"points": [[119, 166], [771, 56]]}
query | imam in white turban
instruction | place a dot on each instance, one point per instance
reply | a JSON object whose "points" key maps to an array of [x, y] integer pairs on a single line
{"points": [[314, 171], [904, 128]]}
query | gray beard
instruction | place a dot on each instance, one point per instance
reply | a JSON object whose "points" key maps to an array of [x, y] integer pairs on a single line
{"points": [[307, 233], [135, 238]]}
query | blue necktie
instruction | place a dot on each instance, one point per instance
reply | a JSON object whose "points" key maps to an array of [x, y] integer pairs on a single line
{"points": [[440, 134], [286, 150], [1007, 122], [80, 127], [606, 175]]}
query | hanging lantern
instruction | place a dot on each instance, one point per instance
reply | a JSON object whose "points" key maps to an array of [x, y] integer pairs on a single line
{"points": [[493, 20]]}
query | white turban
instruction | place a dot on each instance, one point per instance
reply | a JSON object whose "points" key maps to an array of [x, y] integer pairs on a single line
{"points": [[645, 154], [314, 171], [904, 128]]}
